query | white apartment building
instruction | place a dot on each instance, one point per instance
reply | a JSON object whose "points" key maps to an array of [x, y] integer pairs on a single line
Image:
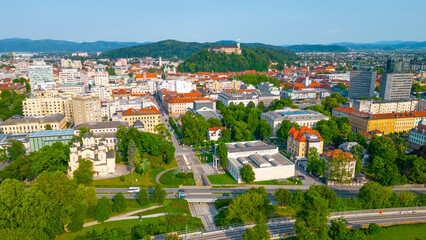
{"points": [[180, 86], [395, 106], [70, 76], [103, 92], [48, 105], [100, 77], [238, 98]]}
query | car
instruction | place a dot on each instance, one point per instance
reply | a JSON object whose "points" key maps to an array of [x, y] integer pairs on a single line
{"points": [[301, 177], [134, 189], [225, 194]]}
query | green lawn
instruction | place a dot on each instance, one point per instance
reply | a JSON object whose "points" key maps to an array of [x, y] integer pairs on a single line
{"points": [[174, 178], [146, 180], [402, 232], [177, 205], [224, 178], [276, 182]]}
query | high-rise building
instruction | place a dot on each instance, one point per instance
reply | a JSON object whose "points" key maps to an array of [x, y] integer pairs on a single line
{"points": [[40, 74], [362, 84], [396, 86], [398, 65], [86, 109]]}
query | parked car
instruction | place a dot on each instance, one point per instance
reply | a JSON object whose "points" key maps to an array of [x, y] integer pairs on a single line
{"points": [[301, 177], [225, 194]]}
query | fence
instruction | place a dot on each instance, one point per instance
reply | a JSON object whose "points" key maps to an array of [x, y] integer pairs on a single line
{"points": [[377, 211]]}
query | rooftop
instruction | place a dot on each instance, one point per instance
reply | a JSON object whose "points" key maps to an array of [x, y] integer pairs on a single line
{"points": [[52, 133], [100, 125]]}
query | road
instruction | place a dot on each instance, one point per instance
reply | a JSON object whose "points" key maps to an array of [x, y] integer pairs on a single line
{"points": [[287, 227]]}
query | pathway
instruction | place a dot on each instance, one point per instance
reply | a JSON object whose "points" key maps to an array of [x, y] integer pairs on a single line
{"points": [[157, 179], [128, 215]]}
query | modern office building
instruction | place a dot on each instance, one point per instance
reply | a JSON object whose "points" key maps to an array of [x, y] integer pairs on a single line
{"points": [[307, 118], [266, 161], [396, 86], [362, 84], [40, 139], [86, 109], [40, 75]]}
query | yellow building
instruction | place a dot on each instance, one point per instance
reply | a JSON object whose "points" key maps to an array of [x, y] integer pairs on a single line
{"points": [[33, 124], [386, 123], [86, 109], [301, 140], [41, 105], [150, 117]]}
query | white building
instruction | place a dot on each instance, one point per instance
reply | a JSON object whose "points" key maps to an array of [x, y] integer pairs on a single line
{"points": [[307, 118], [41, 76], [267, 162], [391, 106], [70, 76], [103, 92], [306, 93], [268, 88], [98, 153], [101, 77], [180, 86], [238, 98], [214, 133]]}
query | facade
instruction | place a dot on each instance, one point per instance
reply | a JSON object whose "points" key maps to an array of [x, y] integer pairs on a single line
{"points": [[214, 133], [180, 86], [377, 107], [103, 159], [178, 106], [266, 161], [45, 104], [417, 135], [222, 85], [306, 93], [19, 124], [396, 86], [150, 117], [101, 78], [86, 109], [362, 84], [386, 123], [39, 74], [307, 118], [238, 98], [301, 140], [40, 139], [226, 49], [268, 88], [71, 76]]}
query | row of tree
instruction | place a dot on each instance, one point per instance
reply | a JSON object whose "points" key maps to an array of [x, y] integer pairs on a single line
{"points": [[10, 104]]}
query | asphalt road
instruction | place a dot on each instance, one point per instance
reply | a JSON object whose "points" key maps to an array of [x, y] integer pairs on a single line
{"points": [[287, 227]]}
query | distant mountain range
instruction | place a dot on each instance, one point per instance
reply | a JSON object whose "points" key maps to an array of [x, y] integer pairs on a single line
{"points": [[48, 45], [182, 50]]}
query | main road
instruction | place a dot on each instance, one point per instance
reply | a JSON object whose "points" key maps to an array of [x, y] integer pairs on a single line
{"points": [[278, 229]]}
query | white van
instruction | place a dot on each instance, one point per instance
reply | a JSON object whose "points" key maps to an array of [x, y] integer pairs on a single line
{"points": [[133, 189]]}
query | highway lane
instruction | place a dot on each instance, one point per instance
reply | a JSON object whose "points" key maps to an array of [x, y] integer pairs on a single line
{"points": [[287, 227]]}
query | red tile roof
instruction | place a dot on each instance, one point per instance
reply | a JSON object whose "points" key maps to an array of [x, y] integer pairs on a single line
{"points": [[214, 129], [143, 111], [299, 134], [337, 152]]}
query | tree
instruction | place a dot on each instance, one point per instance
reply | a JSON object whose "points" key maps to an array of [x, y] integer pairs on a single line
{"points": [[261, 106], [263, 130], [144, 166], [48, 127], [119, 203], [193, 128], [84, 173], [173, 236], [285, 126], [338, 168], [214, 122], [341, 86], [407, 199], [248, 207], [311, 217], [163, 131], [313, 160], [159, 195], [283, 196], [77, 219], [222, 153], [50, 158], [15, 149], [372, 196], [247, 174], [103, 209], [258, 232], [143, 197], [338, 229], [226, 135], [19, 169]]}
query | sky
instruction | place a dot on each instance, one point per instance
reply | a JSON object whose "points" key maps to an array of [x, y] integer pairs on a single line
{"points": [[278, 22]]}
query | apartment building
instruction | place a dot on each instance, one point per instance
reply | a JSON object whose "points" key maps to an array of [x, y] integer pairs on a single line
{"points": [[149, 117], [19, 124], [307, 118], [346, 161], [48, 103], [301, 140], [71, 76], [86, 109], [417, 135], [377, 107]]}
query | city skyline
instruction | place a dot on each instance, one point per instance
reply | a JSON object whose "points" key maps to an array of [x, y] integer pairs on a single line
{"points": [[272, 22]]}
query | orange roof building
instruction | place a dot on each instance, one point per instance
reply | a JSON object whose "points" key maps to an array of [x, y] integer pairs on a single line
{"points": [[301, 140], [347, 164], [148, 117]]}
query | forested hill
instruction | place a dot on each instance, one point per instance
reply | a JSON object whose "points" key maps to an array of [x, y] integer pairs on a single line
{"points": [[255, 58], [317, 48], [172, 49]]}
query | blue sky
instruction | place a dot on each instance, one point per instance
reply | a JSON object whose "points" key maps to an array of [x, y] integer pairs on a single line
{"points": [[274, 22]]}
